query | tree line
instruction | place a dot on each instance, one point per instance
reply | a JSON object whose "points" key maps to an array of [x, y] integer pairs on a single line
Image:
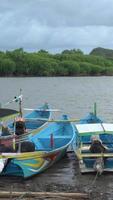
{"points": [[42, 63]]}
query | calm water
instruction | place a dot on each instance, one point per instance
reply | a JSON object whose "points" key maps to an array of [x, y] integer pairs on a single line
{"points": [[73, 95]]}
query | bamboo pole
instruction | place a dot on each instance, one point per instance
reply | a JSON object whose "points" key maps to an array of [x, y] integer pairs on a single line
{"points": [[6, 194], [52, 120]]}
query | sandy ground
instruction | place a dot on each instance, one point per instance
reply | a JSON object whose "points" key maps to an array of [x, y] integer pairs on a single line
{"points": [[64, 176]]}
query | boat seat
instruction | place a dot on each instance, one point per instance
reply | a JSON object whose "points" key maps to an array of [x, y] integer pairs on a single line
{"points": [[56, 137], [85, 149], [45, 143]]}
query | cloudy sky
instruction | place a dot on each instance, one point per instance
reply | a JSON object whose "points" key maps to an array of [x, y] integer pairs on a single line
{"points": [[55, 25]]}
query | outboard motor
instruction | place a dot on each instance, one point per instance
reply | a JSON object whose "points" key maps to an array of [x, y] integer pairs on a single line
{"points": [[99, 165], [97, 147], [5, 131]]}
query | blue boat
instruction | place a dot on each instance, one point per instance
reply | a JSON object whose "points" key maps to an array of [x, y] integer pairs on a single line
{"points": [[94, 147], [36, 119], [50, 145], [90, 118], [31, 124]]}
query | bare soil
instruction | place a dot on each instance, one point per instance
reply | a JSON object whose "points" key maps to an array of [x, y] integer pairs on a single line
{"points": [[64, 176]]}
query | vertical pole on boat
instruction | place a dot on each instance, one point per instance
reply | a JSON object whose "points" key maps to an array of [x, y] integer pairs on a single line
{"points": [[14, 134], [51, 140], [20, 103], [95, 109]]}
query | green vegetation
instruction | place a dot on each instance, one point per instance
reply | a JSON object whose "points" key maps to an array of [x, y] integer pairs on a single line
{"points": [[107, 53], [68, 63]]}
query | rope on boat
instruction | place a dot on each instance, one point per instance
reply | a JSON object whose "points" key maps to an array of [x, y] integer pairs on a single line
{"points": [[98, 166], [99, 170]]}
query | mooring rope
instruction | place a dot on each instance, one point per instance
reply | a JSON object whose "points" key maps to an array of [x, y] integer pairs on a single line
{"points": [[94, 180], [21, 196], [90, 188], [92, 184]]}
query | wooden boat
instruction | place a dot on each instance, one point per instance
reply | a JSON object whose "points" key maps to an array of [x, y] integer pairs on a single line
{"points": [[7, 114], [94, 147], [50, 144], [90, 118], [33, 121]]}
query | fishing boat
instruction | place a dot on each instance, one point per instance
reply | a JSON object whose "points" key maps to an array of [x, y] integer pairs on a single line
{"points": [[49, 145], [94, 147], [27, 124], [90, 119]]}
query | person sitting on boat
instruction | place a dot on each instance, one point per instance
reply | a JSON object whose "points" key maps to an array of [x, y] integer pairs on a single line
{"points": [[5, 130], [20, 127], [96, 145]]}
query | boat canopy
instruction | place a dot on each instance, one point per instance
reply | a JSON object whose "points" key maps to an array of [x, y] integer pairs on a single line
{"points": [[97, 128]]}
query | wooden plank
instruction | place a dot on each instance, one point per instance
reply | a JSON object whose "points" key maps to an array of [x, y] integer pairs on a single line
{"points": [[85, 155], [6, 194], [96, 133]]}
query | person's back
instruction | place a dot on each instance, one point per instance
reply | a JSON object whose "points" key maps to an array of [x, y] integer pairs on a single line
{"points": [[97, 147], [20, 127]]}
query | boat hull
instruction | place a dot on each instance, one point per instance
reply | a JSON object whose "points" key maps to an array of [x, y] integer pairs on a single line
{"points": [[37, 163], [51, 145], [86, 165]]}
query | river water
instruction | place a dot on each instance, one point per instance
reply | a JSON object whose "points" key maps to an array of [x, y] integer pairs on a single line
{"points": [[74, 96]]}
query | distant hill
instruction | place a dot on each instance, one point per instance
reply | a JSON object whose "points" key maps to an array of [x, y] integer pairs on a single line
{"points": [[107, 53]]}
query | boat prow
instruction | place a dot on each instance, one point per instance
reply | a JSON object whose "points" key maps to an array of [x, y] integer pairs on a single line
{"points": [[94, 147]]}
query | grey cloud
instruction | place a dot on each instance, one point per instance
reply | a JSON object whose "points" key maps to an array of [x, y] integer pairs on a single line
{"points": [[60, 12], [56, 24]]}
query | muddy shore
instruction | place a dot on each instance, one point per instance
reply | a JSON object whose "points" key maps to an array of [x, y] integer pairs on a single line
{"points": [[64, 176]]}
